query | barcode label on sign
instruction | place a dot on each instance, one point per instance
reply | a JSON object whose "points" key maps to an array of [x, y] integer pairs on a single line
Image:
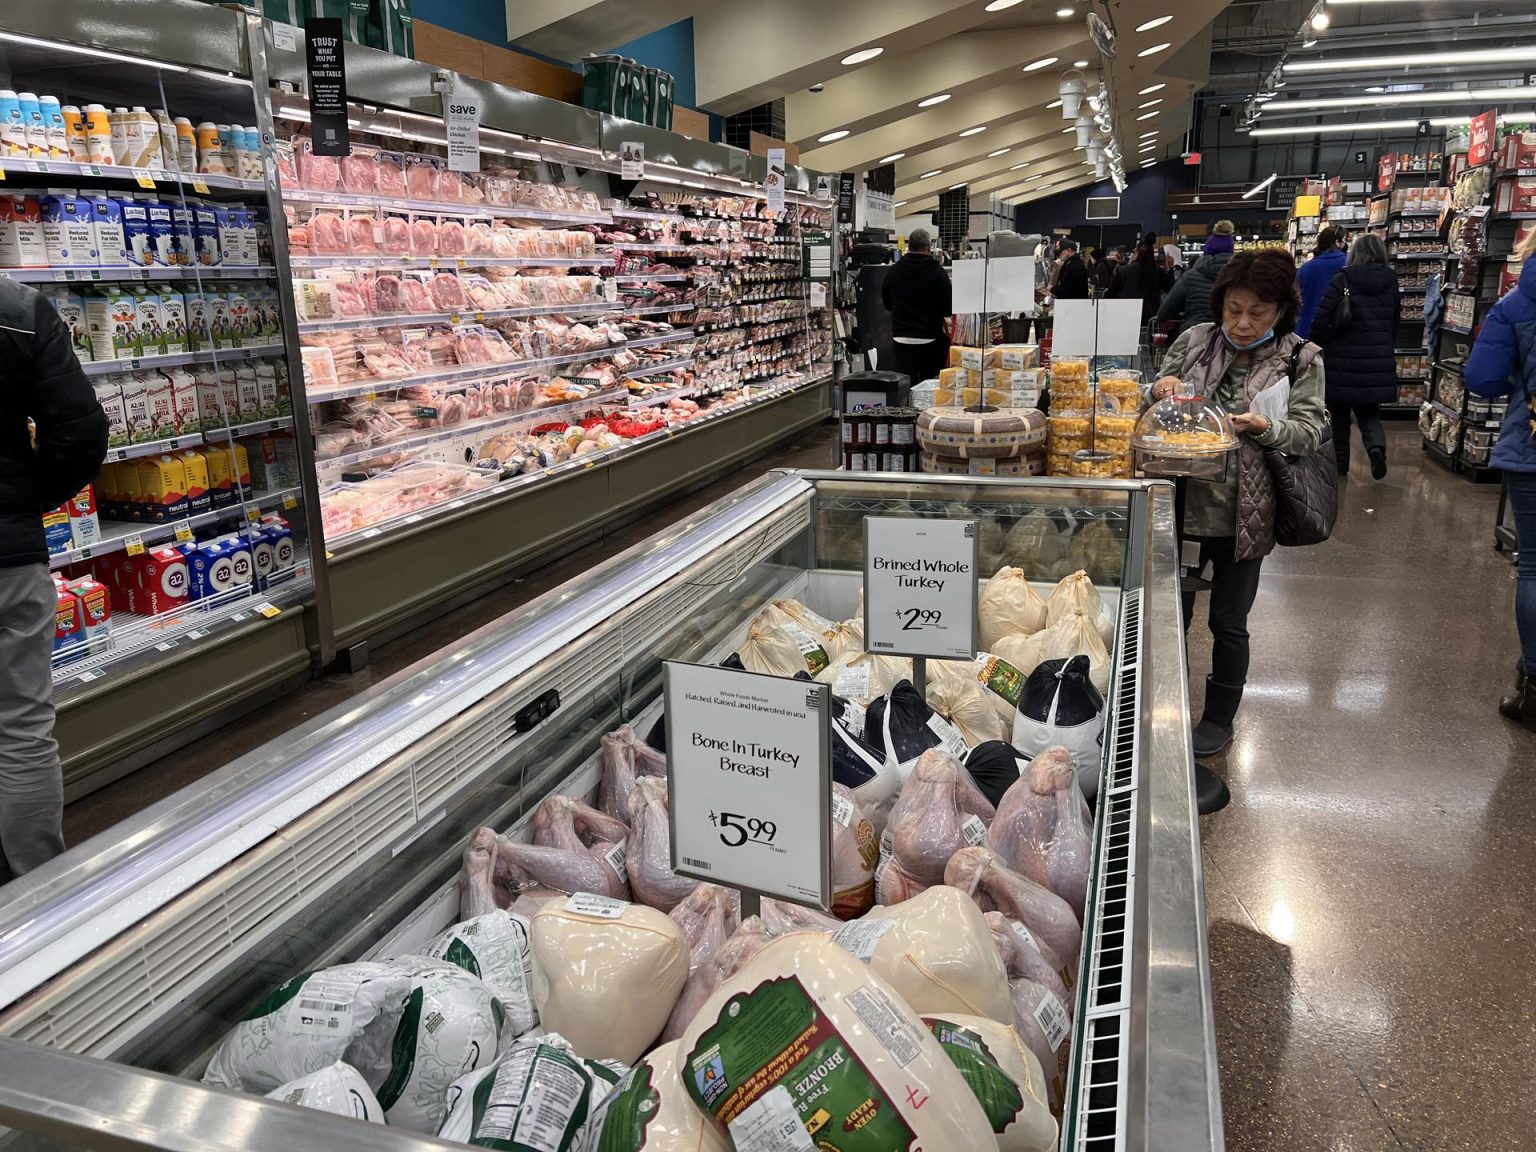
{"points": [[701, 865]]}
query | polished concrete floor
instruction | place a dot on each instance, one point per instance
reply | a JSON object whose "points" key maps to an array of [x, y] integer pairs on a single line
{"points": [[1369, 887]]}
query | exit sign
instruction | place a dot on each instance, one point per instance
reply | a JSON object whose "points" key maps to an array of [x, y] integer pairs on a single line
{"points": [[1191, 159]]}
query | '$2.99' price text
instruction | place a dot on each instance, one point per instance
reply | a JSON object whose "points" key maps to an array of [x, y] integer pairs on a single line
{"points": [[914, 619], [736, 830]]}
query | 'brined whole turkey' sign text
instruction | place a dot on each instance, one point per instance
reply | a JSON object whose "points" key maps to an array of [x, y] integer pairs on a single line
{"points": [[749, 781], [920, 587]]}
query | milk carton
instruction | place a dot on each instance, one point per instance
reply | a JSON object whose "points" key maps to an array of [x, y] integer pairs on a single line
{"points": [[271, 309], [184, 400], [210, 397], [109, 394], [261, 231], [146, 306], [111, 238], [95, 612], [69, 231], [199, 332], [230, 239], [207, 236], [217, 305], [162, 407], [269, 398], [173, 319], [164, 483], [161, 579], [210, 570], [247, 394], [243, 321], [274, 462], [84, 520], [134, 387], [238, 549], [138, 237], [263, 555], [199, 497], [131, 490], [68, 628], [162, 234], [112, 315], [283, 555], [56, 531], [186, 243], [70, 305], [22, 243]]}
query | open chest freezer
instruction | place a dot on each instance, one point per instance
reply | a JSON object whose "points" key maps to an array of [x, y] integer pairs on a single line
{"points": [[342, 840]]}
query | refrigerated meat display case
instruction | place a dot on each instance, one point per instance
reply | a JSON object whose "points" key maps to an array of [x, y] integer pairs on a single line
{"points": [[342, 840]]}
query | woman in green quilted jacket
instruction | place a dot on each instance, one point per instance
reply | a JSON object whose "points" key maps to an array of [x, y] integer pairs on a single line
{"points": [[1251, 347]]}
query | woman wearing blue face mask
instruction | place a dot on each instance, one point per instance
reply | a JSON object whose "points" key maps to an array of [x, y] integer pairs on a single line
{"points": [[1230, 362]]}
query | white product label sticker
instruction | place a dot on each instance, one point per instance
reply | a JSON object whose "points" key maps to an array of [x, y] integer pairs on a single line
{"points": [[887, 1024], [854, 717], [771, 1124], [285, 37], [859, 937], [615, 856], [1052, 1017], [323, 1007], [591, 904], [887, 839], [949, 736], [1024, 935], [810, 647], [843, 810], [974, 831], [852, 682]]}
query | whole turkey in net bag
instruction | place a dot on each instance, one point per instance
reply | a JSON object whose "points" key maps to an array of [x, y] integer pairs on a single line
{"points": [[1061, 707], [778, 646], [1037, 545], [1001, 682], [862, 676], [964, 703], [1076, 593], [940, 811], [1075, 634], [1009, 606]]}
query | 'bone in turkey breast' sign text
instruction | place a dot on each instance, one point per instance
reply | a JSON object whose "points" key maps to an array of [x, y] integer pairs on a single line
{"points": [[920, 587], [749, 781]]}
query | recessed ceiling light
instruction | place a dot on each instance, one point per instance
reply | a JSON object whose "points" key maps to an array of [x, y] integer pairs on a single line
{"points": [[1054, 104], [1148, 146], [1066, 12], [898, 204], [1079, 63], [1016, 167], [1036, 176], [1151, 103], [1375, 88], [999, 152], [926, 175], [892, 158], [1146, 115], [831, 136], [976, 131], [999, 5], [1043, 62], [862, 55], [1155, 49], [1145, 135], [1151, 88], [932, 100], [962, 184], [1151, 24]]}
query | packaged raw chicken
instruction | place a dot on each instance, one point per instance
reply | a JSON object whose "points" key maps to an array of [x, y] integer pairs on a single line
{"points": [[389, 172], [287, 166], [415, 294], [423, 236], [359, 171], [395, 236], [319, 368], [421, 176], [327, 234], [362, 228], [316, 173], [385, 361], [386, 293], [447, 292], [481, 239], [451, 239], [350, 299]]}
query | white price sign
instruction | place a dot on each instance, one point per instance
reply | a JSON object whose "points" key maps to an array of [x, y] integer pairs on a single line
{"points": [[920, 587], [632, 160], [461, 121], [748, 755]]}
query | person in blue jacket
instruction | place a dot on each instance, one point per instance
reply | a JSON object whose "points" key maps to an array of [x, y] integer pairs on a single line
{"points": [[1315, 275], [1503, 363]]}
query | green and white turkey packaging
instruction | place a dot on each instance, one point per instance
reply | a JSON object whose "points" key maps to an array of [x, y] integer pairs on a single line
{"points": [[494, 948], [807, 1027], [649, 1111], [339, 1090], [1004, 1076]]}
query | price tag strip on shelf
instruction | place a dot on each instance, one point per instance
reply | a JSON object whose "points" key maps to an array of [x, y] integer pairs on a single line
{"points": [[920, 587], [749, 781]]}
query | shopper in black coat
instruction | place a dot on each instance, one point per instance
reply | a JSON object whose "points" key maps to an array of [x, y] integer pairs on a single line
{"points": [[1360, 352], [918, 294], [1140, 279], [1072, 275], [1189, 302]]}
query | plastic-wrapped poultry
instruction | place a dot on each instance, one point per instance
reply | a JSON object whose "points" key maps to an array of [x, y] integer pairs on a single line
{"points": [[477, 887], [359, 171], [1074, 634], [569, 823], [1042, 828], [781, 917], [940, 810], [996, 887], [447, 292], [481, 239], [964, 703], [1076, 593], [648, 855], [707, 915], [1027, 958], [451, 239], [571, 867], [1041, 1003], [327, 234], [904, 726], [625, 758], [316, 173], [855, 853], [423, 237], [389, 174], [386, 293], [421, 177], [415, 295], [1009, 606], [361, 236]]}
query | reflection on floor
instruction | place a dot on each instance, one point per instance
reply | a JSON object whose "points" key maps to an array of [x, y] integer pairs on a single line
{"points": [[1370, 889]]}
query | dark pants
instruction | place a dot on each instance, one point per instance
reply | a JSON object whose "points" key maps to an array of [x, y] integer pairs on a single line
{"points": [[1522, 502], [1234, 584], [919, 362], [1372, 434]]}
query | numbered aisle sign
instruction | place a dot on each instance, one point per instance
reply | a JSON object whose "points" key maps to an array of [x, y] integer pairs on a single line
{"points": [[920, 587], [749, 781]]}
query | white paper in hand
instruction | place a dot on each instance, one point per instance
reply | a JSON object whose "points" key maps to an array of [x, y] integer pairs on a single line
{"points": [[1274, 402]]}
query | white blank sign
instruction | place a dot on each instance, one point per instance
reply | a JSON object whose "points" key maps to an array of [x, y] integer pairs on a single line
{"points": [[1008, 283], [1096, 328]]}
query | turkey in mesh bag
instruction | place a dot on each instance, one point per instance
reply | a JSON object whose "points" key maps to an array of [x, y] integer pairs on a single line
{"points": [[1003, 1074], [936, 950], [777, 645], [863, 676], [539, 1096], [707, 917], [1060, 707], [308, 1024], [961, 699], [338, 1089], [1075, 634], [625, 759], [648, 855], [940, 811], [494, 948], [997, 888], [649, 1111], [1042, 828], [1076, 593], [1001, 682], [905, 727], [1008, 606]]}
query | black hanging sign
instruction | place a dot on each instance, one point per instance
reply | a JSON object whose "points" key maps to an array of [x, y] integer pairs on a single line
{"points": [[846, 190], [327, 86]]}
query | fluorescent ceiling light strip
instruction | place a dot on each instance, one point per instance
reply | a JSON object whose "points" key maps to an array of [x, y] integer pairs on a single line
{"points": [[100, 54], [1151, 24], [1151, 88], [1154, 50], [1428, 96], [1261, 185], [1522, 117], [1415, 59]]}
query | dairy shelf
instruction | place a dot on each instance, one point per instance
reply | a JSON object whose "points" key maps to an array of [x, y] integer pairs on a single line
{"points": [[176, 359], [195, 439], [199, 182], [443, 207], [112, 275], [116, 534]]}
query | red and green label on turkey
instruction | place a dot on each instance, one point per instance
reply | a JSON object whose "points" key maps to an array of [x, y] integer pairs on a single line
{"points": [[776, 1034]]}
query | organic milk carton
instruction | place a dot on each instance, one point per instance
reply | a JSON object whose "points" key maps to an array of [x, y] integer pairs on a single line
{"points": [[68, 629], [22, 243], [56, 532], [243, 321], [146, 306], [199, 335], [217, 304], [199, 497], [69, 231], [207, 238], [84, 520], [164, 481], [173, 319], [138, 236], [271, 312], [109, 394], [112, 315], [95, 611], [162, 406], [111, 238], [184, 400], [70, 305]]}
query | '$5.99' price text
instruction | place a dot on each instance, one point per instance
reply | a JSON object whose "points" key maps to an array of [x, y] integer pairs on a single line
{"points": [[736, 830], [914, 619]]}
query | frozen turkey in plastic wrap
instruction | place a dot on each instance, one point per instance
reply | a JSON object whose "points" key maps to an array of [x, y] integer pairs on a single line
{"points": [[308, 1024], [996, 887], [707, 916], [940, 810], [1025, 958], [625, 758], [648, 854], [863, 676], [494, 948], [338, 1089], [1005, 1076], [1076, 593], [1008, 606], [777, 645], [1061, 707], [965, 703], [890, 1087], [1042, 830], [936, 951], [649, 1111], [606, 974]]}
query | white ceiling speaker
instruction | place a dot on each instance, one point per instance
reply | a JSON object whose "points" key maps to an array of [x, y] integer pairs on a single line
{"points": [[1072, 89], [1084, 127]]}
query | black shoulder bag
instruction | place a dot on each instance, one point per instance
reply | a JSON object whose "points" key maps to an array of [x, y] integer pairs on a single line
{"points": [[1306, 487]]}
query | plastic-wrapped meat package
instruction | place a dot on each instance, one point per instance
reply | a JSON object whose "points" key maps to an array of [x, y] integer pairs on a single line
{"points": [[1042, 830], [447, 292], [503, 242], [449, 185], [385, 361], [316, 173], [359, 171], [287, 167], [481, 239], [415, 294], [386, 294], [471, 346], [337, 439], [647, 854], [417, 355], [497, 190], [998, 888], [389, 174], [395, 236], [452, 239], [362, 233], [327, 234], [482, 294], [421, 177], [499, 350], [350, 299], [471, 187], [423, 236], [474, 401], [940, 811]]}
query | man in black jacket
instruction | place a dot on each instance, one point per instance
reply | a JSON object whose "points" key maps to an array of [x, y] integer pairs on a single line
{"points": [[41, 466], [918, 295], [1071, 281]]}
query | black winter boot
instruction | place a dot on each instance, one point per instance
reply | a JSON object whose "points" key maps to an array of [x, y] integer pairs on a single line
{"points": [[1211, 793], [1214, 732], [1522, 705], [1378, 463]]}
